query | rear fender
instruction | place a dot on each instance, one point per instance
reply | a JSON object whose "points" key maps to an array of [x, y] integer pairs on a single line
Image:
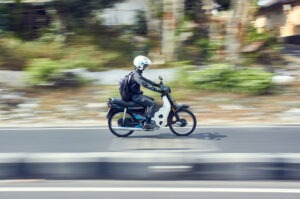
{"points": [[113, 109], [110, 112]]}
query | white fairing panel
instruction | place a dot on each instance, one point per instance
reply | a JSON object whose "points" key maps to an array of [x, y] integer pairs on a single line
{"points": [[161, 116]]}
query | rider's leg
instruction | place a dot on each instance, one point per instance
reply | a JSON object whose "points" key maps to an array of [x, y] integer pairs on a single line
{"points": [[150, 104]]}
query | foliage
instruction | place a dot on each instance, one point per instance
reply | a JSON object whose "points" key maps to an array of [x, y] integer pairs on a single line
{"points": [[29, 21], [228, 78], [140, 23], [252, 35], [193, 10], [269, 53], [199, 48], [41, 70], [4, 17], [15, 53]]}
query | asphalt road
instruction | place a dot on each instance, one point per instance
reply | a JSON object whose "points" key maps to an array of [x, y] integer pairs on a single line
{"points": [[38, 189], [272, 139]]}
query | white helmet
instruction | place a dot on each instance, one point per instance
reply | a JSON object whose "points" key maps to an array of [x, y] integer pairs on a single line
{"points": [[141, 62]]}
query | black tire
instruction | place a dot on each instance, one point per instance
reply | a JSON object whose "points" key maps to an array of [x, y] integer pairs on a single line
{"points": [[183, 114], [111, 125]]}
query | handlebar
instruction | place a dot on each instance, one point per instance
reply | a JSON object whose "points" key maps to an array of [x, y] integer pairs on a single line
{"points": [[163, 87]]}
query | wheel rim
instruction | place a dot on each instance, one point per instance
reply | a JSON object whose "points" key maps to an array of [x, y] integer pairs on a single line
{"points": [[115, 127], [186, 123]]}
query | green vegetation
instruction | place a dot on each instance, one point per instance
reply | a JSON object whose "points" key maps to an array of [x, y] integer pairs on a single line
{"points": [[65, 34], [43, 58], [268, 53], [42, 70], [228, 78], [199, 48], [141, 23], [4, 18], [16, 54]]}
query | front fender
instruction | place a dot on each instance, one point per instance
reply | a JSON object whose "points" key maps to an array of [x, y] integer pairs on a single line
{"points": [[174, 112], [180, 107]]}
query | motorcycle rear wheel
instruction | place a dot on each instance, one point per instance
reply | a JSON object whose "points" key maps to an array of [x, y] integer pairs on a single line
{"points": [[114, 126]]}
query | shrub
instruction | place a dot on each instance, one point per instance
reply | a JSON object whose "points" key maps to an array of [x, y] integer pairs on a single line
{"points": [[15, 54], [228, 78], [41, 70], [269, 53], [10, 59]]}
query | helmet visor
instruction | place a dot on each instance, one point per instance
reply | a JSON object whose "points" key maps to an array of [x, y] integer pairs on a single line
{"points": [[145, 66]]}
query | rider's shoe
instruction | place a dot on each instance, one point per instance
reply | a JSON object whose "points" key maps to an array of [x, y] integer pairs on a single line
{"points": [[150, 126]]}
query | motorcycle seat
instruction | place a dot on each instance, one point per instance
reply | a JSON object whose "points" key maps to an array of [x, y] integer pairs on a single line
{"points": [[121, 102]]}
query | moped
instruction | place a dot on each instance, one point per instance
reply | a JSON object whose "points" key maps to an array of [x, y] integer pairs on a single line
{"points": [[126, 117]]}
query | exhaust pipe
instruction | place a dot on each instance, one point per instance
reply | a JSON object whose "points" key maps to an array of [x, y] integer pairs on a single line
{"points": [[128, 129], [133, 129]]}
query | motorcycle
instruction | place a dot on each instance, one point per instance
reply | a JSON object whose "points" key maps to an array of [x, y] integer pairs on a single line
{"points": [[126, 117]]}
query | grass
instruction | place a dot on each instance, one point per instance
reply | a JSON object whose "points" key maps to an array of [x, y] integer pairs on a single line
{"points": [[43, 58], [80, 51]]}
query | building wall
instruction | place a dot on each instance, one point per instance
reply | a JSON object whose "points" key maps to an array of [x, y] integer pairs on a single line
{"points": [[287, 23], [123, 13], [292, 24]]}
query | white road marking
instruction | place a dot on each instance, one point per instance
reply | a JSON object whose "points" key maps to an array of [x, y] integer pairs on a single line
{"points": [[177, 169], [148, 189]]}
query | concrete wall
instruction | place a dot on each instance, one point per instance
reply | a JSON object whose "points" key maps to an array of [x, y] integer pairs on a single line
{"points": [[123, 13]]}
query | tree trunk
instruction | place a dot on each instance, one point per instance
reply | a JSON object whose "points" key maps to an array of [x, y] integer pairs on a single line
{"points": [[242, 15], [172, 12], [232, 42]]}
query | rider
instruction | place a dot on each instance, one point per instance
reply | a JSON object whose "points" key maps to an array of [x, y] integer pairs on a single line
{"points": [[141, 63]]}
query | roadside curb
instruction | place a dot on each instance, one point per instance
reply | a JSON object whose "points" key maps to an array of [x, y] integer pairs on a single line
{"points": [[145, 165]]}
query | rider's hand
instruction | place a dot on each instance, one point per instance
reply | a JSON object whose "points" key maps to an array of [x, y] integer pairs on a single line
{"points": [[165, 89]]}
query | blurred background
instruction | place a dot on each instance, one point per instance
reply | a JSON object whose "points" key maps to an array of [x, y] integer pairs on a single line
{"points": [[234, 62]]}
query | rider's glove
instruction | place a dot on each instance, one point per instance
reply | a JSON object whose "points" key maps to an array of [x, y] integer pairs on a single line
{"points": [[165, 89]]}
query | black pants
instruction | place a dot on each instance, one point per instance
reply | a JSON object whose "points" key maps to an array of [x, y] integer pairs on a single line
{"points": [[145, 101]]}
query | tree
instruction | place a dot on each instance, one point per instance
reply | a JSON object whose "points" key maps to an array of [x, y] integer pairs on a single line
{"points": [[141, 23], [4, 18], [242, 14]]}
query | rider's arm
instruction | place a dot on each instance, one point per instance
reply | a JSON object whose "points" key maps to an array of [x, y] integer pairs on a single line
{"points": [[146, 83], [150, 82]]}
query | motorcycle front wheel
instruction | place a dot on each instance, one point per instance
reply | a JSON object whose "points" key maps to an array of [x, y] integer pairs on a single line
{"points": [[114, 124], [184, 124]]}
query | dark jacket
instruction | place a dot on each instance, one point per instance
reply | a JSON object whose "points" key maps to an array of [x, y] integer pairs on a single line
{"points": [[139, 80]]}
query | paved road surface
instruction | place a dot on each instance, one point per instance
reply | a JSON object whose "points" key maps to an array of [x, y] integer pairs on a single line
{"points": [[271, 139], [149, 189]]}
